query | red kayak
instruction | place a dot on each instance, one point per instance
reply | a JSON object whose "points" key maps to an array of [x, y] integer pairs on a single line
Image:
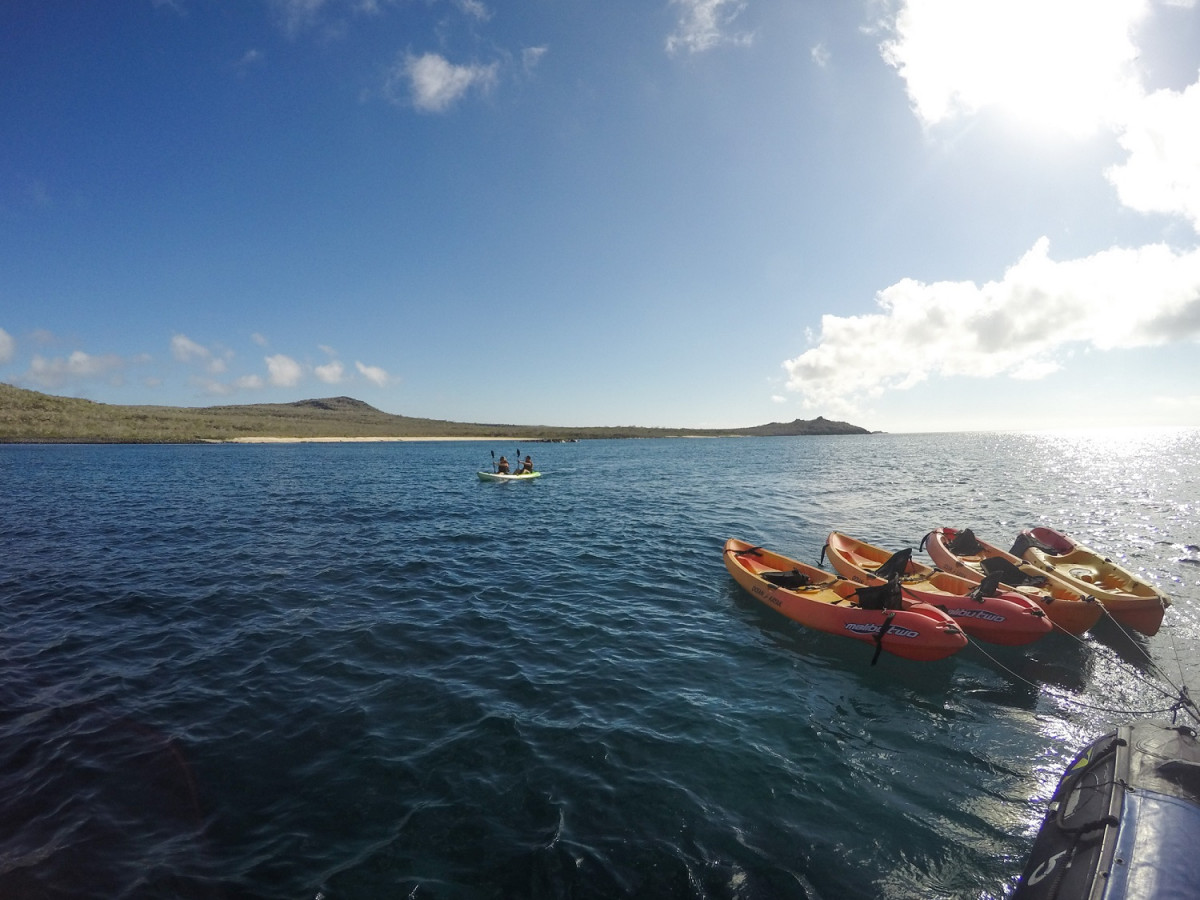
{"points": [[983, 611], [962, 553], [813, 598]]}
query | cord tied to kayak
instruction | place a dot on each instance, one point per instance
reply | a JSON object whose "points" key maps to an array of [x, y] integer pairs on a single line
{"points": [[1186, 704], [1182, 700]]}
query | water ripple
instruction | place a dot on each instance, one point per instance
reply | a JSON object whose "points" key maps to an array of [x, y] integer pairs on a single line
{"points": [[356, 671]]}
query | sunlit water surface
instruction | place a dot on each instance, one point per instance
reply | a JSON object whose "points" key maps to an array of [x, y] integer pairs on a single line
{"points": [[355, 671]]}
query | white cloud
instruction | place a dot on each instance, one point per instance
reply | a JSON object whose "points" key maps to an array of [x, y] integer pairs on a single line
{"points": [[330, 373], [297, 15], [1021, 326], [474, 9], [251, 58], [1067, 65], [531, 56], [373, 374], [1061, 64], [1162, 172], [434, 84], [8, 347], [79, 366], [704, 24], [283, 371], [211, 386], [185, 350]]}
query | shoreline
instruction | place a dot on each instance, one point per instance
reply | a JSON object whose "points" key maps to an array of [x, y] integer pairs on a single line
{"points": [[360, 440]]}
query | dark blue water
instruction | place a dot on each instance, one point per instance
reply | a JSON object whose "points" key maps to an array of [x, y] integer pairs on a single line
{"points": [[355, 671]]}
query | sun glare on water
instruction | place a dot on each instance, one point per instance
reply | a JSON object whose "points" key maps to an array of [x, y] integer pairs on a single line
{"points": [[1109, 443]]}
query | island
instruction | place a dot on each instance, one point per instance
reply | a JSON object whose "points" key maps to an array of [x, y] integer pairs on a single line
{"points": [[31, 417]]}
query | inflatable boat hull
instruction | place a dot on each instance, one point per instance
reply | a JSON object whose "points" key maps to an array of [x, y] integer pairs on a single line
{"points": [[1124, 823]]}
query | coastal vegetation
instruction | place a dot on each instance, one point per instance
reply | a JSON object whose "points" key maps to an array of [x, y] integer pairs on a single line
{"points": [[32, 417]]}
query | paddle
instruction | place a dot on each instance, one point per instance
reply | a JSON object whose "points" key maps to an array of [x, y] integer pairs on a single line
{"points": [[493, 460]]}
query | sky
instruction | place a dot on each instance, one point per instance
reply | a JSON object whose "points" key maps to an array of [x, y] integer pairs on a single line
{"points": [[911, 215]]}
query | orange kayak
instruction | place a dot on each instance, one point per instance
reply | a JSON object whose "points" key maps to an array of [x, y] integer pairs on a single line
{"points": [[986, 612], [961, 553], [817, 600], [1130, 600]]}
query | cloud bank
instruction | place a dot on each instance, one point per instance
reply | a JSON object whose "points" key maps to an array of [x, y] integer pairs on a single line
{"points": [[957, 59], [56, 372], [1017, 327], [207, 369]]}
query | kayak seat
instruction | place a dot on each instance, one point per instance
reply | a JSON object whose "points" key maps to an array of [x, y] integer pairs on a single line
{"points": [[1024, 541], [1009, 573], [989, 587], [883, 596], [964, 543], [788, 580], [896, 564]]}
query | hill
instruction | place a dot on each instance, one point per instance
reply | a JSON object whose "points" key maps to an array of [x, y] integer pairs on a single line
{"points": [[819, 425], [32, 417]]}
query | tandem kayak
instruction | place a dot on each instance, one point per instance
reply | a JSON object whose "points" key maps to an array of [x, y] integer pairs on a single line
{"points": [[1132, 601], [983, 611], [1124, 822], [961, 553], [496, 476], [815, 599]]}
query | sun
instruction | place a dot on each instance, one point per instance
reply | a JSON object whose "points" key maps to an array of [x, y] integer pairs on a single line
{"points": [[1055, 65]]}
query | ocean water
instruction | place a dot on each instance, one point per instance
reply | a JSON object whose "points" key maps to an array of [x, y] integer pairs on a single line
{"points": [[354, 671]]}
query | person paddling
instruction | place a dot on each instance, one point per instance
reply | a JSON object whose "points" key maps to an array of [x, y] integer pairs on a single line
{"points": [[502, 466], [527, 466]]}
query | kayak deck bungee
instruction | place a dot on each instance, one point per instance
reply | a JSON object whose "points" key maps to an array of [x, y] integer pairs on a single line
{"points": [[817, 600], [961, 553], [1131, 601], [982, 610]]}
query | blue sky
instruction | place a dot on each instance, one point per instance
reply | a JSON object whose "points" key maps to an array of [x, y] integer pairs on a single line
{"points": [[919, 215]]}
